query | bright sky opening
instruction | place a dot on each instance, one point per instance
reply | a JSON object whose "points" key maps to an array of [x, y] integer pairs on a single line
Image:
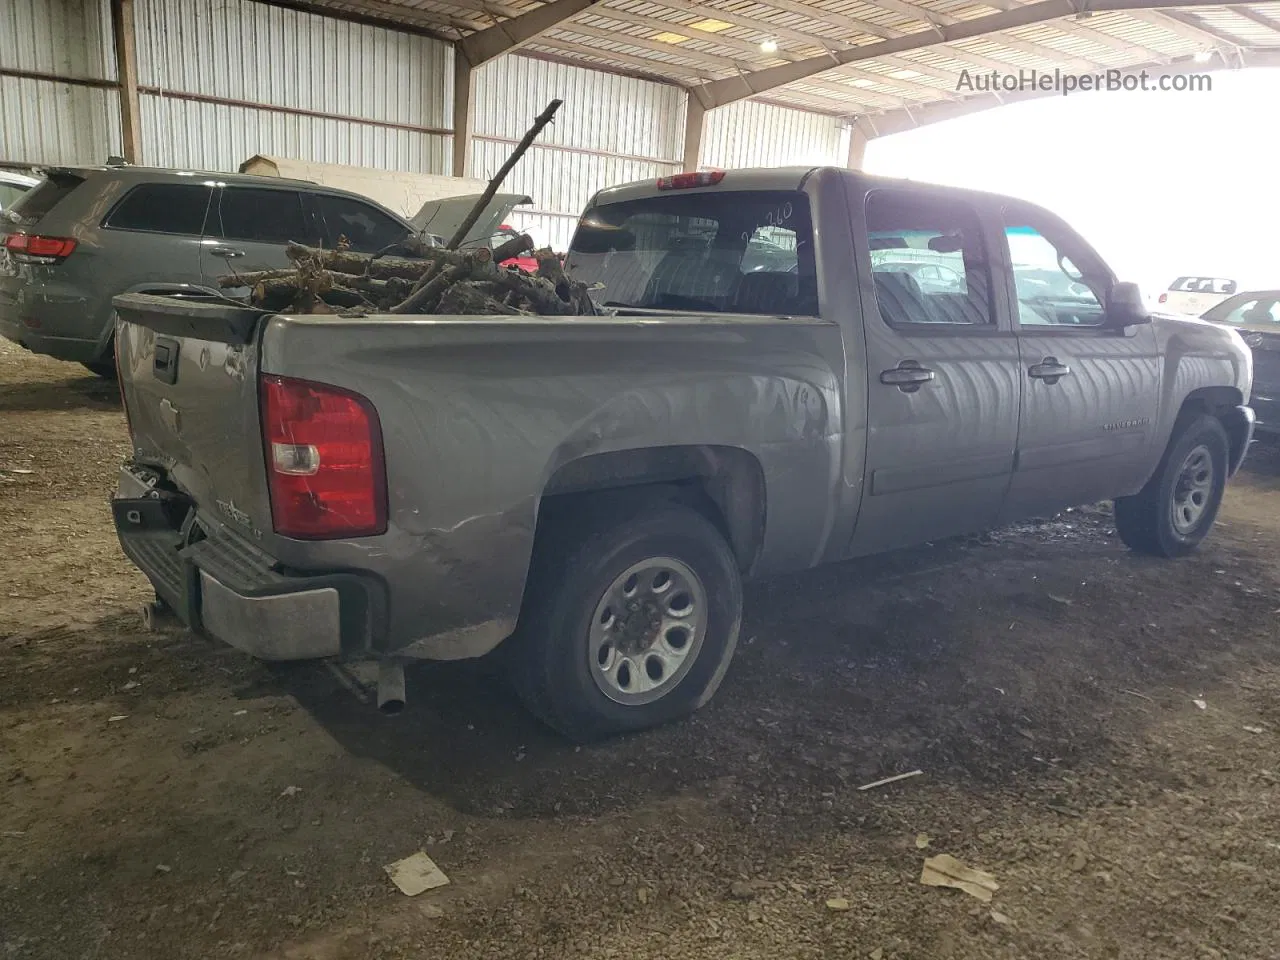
{"points": [[1163, 184]]}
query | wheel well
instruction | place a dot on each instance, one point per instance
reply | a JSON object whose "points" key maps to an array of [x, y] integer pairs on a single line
{"points": [[725, 484], [1218, 402]]}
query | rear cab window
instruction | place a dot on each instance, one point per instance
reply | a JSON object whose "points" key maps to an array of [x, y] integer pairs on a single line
{"points": [[177, 208], [746, 252], [36, 203]]}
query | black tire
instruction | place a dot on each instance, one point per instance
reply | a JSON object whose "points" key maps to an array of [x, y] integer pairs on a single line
{"points": [[574, 565], [1145, 521]]}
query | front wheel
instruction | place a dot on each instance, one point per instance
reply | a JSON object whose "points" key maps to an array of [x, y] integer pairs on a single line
{"points": [[629, 622], [1175, 510]]}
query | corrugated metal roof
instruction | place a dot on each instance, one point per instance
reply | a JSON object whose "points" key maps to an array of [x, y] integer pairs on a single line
{"points": [[661, 39]]}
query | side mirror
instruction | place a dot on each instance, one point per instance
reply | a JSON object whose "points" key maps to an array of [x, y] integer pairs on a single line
{"points": [[1125, 307]]}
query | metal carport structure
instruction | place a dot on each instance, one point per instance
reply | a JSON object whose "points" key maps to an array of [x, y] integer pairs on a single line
{"points": [[882, 65]]}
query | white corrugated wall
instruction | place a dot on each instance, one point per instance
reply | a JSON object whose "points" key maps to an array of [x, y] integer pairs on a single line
{"points": [[638, 134], [252, 53], [225, 79], [752, 134], [45, 121]]}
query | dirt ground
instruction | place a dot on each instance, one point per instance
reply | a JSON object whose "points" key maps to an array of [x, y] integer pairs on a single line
{"points": [[1095, 729]]}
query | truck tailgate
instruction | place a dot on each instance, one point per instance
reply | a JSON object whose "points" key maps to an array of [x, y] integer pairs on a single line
{"points": [[189, 378]]}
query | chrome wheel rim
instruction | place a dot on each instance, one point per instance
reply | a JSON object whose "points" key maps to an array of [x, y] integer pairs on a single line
{"points": [[647, 630], [1192, 490]]}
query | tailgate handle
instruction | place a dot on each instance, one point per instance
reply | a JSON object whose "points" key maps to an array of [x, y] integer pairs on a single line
{"points": [[165, 367]]}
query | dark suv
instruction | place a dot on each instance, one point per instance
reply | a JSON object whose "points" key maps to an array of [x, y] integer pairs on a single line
{"points": [[86, 234]]}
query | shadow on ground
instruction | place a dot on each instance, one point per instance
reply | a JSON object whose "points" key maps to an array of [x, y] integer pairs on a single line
{"points": [[978, 660], [87, 392]]}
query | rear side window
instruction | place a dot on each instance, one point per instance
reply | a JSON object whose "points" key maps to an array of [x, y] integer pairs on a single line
{"points": [[928, 260], [162, 208], [718, 252], [9, 192], [43, 197], [262, 216], [366, 228]]}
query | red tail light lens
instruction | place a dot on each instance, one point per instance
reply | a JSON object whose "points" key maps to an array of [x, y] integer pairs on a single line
{"points": [[683, 181], [37, 249], [1164, 298], [325, 467]]}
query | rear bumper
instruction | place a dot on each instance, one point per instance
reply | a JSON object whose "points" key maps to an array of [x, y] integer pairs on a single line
{"points": [[226, 588], [60, 323]]}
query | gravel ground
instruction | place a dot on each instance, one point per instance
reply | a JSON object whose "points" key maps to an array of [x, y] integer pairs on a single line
{"points": [[1095, 729]]}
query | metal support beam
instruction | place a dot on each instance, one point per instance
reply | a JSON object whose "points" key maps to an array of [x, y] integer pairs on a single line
{"points": [[720, 92], [126, 50], [507, 35], [464, 87], [695, 114], [1256, 16], [857, 147]]}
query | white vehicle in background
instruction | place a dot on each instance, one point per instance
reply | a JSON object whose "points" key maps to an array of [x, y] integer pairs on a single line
{"points": [[1195, 295], [12, 186]]}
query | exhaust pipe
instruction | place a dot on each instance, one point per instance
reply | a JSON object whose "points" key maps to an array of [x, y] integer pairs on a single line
{"points": [[390, 686]]}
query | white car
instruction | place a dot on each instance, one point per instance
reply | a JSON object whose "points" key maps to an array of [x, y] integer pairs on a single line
{"points": [[12, 186], [1195, 295]]}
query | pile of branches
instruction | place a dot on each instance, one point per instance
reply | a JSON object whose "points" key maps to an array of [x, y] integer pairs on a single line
{"points": [[434, 280], [427, 279]]}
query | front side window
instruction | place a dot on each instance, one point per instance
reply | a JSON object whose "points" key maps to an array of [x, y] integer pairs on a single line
{"points": [[718, 252], [928, 260], [261, 216], [177, 208], [366, 229], [1051, 288]]}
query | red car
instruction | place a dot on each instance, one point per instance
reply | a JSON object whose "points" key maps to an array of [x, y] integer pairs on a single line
{"points": [[505, 233]]}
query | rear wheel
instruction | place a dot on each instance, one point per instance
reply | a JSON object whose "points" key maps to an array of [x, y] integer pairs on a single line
{"points": [[630, 621], [1175, 510]]}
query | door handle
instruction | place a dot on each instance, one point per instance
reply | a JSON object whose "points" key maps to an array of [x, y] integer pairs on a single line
{"points": [[908, 376], [226, 252], [1049, 370]]}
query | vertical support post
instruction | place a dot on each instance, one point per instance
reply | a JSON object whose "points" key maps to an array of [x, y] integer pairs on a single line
{"points": [[126, 50], [857, 148], [694, 115], [464, 86]]}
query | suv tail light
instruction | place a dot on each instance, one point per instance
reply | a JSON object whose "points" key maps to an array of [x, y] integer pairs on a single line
{"points": [[683, 181], [33, 248], [325, 468]]}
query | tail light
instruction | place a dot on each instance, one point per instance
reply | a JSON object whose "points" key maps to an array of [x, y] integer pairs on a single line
{"points": [[32, 248], [325, 467], [1164, 298], [683, 181]]}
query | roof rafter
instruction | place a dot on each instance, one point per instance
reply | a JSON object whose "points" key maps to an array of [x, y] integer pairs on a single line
{"points": [[1259, 18], [753, 50], [506, 35], [719, 92]]}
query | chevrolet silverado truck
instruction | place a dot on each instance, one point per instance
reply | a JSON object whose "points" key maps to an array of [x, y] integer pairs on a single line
{"points": [[764, 391]]}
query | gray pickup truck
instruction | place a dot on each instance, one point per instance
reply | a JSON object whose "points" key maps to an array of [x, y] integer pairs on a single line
{"points": [[776, 383]]}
